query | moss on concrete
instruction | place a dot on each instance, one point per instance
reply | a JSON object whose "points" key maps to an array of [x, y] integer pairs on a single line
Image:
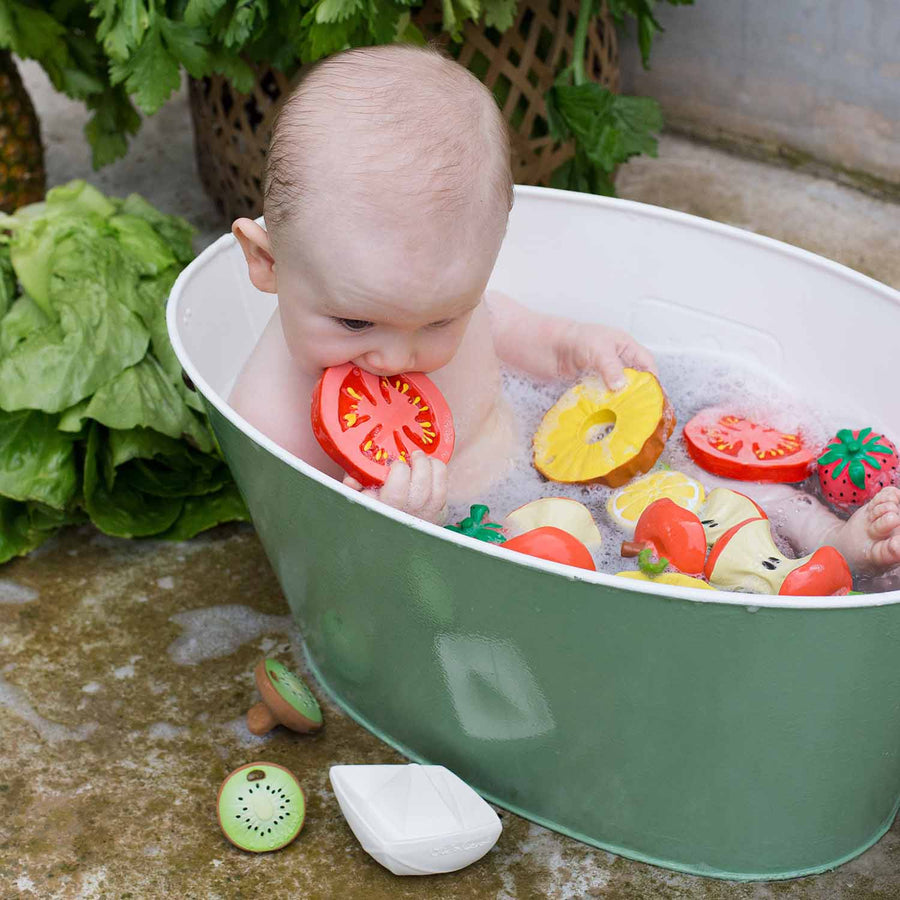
{"points": [[780, 153]]}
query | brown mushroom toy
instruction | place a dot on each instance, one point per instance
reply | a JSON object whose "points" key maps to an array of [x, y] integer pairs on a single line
{"points": [[286, 700]]}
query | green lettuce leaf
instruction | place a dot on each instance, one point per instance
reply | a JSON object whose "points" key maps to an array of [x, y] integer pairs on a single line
{"points": [[177, 233], [95, 419], [142, 443], [18, 534], [142, 396], [23, 318], [145, 246], [37, 461], [7, 280], [55, 367], [201, 513], [119, 509]]}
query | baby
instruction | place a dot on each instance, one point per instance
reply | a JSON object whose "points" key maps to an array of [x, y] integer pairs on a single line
{"points": [[388, 190]]}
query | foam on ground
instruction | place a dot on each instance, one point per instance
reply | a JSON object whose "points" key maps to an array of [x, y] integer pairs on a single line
{"points": [[12, 592], [218, 631]]}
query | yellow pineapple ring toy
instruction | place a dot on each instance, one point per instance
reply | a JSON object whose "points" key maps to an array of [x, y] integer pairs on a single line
{"points": [[592, 434], [626, 505]]}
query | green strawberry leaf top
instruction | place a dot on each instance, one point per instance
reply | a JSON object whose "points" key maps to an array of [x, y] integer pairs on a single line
{"points": [[854, 454], [475, 526]]}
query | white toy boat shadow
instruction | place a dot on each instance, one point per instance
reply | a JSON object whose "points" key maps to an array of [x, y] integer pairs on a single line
{"points": [[415, 820]]}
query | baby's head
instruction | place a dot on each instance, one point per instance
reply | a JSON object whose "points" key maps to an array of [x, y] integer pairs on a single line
{"points": [[388, 189]]}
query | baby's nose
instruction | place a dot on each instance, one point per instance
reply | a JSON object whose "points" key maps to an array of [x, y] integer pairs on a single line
{"points": [[389, 363]]}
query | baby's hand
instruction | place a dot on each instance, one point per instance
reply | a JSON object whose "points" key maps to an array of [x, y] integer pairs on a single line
{"points": [[598, 350], [419, 489]]}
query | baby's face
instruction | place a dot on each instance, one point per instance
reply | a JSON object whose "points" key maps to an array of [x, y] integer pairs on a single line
{"points": [[389, 299]]}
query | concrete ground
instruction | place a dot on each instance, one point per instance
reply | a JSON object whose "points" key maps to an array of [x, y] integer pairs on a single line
{"points": [[126, 667]]}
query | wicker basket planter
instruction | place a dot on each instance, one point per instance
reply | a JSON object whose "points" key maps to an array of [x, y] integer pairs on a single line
{"points": [[231, 130]]}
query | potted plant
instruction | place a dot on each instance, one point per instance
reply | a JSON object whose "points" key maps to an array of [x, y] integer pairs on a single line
{"points": [[124, 56]]}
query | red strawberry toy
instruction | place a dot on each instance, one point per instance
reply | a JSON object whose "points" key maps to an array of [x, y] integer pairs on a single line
{"points": [[855, 466]]}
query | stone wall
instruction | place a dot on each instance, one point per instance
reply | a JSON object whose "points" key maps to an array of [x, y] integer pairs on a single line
{"points": [[811, 80]]}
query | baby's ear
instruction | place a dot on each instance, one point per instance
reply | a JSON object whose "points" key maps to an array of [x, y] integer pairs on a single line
{"points": [[254, 241]]}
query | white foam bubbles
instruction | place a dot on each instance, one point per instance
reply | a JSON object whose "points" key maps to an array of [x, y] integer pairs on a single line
{"points": [[12, 592], [15, 700]]}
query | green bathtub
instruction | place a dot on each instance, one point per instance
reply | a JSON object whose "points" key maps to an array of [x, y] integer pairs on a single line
{"points": [[685, 728]]}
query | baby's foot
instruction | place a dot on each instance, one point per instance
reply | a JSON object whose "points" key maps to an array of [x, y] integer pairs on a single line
{"points": [[870, 538]]}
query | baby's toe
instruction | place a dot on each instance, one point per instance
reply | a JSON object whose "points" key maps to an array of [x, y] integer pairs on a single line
{"points": [[886, 554], [886, 497], [883, 521]]}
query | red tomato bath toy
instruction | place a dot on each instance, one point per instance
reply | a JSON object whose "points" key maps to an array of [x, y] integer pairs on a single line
{"points": [[738, 448], [364, 422]]}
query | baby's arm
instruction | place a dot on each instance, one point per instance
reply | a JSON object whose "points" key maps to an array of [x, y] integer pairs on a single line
{"points": [[273, 395], [555, 347]]}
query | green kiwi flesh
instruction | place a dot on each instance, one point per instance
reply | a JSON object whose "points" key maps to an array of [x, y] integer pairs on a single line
{"points": [[261, 807], [293, 690]]}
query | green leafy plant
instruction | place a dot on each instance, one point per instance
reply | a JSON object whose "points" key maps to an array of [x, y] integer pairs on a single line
{"points": [[96, 422], [124, 56], [607, 128]]}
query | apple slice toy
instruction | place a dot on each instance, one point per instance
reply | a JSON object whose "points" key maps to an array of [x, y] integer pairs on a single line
{"points": [[746, 559], [558, 512], [365, 422], [554, 545], [725, 508]]}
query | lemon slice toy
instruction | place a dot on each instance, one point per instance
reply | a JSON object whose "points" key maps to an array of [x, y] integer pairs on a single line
{"points": [[674, 578], [626, 505], [592, 434]]}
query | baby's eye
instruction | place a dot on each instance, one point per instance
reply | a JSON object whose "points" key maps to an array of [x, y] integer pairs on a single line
{"points": [[442, 324], [354, 324]]}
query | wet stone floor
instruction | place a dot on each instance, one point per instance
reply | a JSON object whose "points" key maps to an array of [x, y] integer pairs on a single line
{"points": [[126, 669]]}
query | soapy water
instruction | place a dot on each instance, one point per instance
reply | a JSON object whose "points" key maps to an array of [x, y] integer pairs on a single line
{"points": [[692, 382]]}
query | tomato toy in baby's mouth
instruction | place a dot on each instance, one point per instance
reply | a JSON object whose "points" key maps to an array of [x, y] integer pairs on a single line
{"points": [[365, 422]]}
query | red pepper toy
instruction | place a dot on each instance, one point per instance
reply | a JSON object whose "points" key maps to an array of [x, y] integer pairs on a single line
{"points": [[673, 534]]}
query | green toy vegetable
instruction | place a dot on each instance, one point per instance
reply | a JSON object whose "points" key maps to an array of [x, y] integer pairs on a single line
{"points": [[475, 526]]}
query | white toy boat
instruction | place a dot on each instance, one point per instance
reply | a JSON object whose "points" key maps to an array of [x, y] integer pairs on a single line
{"points": [[415, 820]]}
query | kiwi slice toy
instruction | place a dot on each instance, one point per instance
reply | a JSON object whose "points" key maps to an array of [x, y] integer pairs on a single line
{"points": [[286, 700], [261, 807]]}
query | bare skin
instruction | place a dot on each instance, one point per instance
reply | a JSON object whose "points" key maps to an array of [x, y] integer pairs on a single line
{"points": [[331, 311]]}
